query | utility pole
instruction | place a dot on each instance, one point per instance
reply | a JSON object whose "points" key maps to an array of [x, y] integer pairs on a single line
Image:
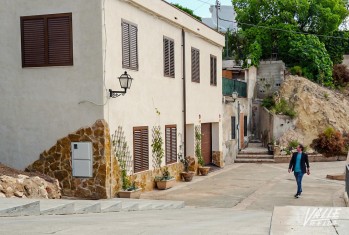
{"points": [[218, 7]]}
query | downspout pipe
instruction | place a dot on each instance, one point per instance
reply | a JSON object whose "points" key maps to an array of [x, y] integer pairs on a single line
{"points": [[184, 96]]}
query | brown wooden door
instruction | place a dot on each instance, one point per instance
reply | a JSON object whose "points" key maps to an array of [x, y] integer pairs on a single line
{"points": [[206, 142]]}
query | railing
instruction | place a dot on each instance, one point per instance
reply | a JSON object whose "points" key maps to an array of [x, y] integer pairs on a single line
{"points": [[231, 85], [347, 179]]}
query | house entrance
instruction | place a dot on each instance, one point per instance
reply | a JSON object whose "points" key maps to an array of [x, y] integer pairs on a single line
{"points": [[206, 142]]}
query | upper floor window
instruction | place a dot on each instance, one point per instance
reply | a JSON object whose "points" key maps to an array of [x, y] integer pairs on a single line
{"points": [[213, 70], [169, 63], [195, 65], [47, 40], [129, 45]]}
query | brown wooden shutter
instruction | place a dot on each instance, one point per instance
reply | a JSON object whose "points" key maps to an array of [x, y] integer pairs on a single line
{"points": [[125, 45], [47, 40], [33, 42], [59, 41], [166, 58], [140, 149], [129, 46], [213, 70], [195, 65], [171, 143], [169, 64]]}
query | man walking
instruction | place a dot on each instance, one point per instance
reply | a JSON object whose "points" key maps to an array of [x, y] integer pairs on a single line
{"points": [[299, 164]]}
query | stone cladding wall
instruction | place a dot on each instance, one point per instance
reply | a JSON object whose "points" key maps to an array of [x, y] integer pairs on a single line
{"points": [[56, 162]]}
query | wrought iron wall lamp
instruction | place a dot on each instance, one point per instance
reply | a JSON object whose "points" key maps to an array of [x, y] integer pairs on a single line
{"points": [[125, 83]]}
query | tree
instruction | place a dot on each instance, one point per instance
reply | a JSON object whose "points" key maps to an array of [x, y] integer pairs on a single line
{"points": [[187, 10], [289, 29]]}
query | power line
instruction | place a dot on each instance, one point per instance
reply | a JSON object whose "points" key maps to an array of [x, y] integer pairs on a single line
{"points": [[283, 30]]}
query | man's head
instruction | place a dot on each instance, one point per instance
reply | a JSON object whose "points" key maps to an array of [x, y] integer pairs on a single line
{"points": [[300, 148]]}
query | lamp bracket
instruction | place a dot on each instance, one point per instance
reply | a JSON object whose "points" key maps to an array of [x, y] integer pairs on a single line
{"points": [[114, 94]]}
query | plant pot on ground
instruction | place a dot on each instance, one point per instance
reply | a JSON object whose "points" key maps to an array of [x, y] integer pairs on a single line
{"points": [[164, 181], [187, 176], [134, 194], [203, 170]]}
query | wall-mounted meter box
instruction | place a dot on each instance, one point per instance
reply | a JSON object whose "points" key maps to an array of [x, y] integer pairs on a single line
{"points": [[82, 159]]}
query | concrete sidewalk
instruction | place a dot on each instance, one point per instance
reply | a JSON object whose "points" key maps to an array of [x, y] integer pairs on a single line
{"points": [[239, 199]]}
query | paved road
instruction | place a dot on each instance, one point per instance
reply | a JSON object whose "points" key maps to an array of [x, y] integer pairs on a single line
{"points": [[259, 187], [236, 200]]}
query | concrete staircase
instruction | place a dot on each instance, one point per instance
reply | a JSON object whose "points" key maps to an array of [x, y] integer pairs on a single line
{"points": [[11, 207], [254, 153]]}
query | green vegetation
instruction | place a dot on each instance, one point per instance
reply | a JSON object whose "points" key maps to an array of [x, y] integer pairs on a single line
{"points": [[331, 142], [281, 107], [301, 33], [187, 10]]}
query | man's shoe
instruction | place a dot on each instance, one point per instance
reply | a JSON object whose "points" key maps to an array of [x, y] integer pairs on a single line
{"points": [[296, 195]]}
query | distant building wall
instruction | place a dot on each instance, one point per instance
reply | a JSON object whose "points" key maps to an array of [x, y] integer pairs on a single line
{"points": [[270, 76]]}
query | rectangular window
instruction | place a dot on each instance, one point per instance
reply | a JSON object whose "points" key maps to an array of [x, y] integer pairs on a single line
{"points": [[140, 149], [233, 126], [47, 40], [245, 125], [129, 45], [195, 65], [169, 63], [213, 70], [171, 143]]}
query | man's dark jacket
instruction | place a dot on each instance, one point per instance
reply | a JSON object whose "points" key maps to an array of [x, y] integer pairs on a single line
{"points": [[304, 162]]}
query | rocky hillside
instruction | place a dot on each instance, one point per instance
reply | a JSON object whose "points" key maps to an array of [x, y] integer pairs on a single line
{"points": [[317, 108]]}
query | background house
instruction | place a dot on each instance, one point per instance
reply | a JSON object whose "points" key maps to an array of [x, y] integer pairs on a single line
{"points": [[60, 59]]}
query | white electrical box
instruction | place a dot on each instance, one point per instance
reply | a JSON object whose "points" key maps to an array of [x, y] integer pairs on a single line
{"points": [[82, 159]]}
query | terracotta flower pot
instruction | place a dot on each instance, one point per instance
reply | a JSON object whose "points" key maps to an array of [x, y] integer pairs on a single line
{"points": [[187, 176], [165, 184], [204, 170], [135, 194]]}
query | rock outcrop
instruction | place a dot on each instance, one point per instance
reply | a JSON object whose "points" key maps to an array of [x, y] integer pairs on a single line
{"points": [[24, 186], [317, 108]]}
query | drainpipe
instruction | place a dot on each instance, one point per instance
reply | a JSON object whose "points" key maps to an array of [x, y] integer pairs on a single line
{"points": [[184, 96]]}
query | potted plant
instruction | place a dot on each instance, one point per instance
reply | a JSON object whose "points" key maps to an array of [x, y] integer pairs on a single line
{"points": [[203, 170], [129, 189], [120, 149], [186, 175], [165, 180]]}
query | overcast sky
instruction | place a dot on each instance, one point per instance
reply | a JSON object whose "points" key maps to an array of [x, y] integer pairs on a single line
{"points": [[200, 7]]}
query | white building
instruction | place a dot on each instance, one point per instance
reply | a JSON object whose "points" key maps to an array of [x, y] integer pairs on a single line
{"points": [[60, 58], [226, 18]]}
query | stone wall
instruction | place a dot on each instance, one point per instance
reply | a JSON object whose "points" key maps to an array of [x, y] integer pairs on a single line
{"points": [[311, 157], [56, 162], [217, 158], [145, 179]]}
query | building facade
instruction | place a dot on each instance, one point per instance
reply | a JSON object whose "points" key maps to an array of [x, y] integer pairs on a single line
{"points": [[60, 59]]}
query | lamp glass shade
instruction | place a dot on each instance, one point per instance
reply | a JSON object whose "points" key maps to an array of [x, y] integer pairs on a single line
{"points": [[125, 81], [234, 95]]}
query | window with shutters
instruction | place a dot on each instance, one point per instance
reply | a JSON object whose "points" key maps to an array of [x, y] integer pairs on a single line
{"points": [[213, 70], [129, 45], [233, 130], [140, 149], [171, 143], [47, 40], [195, 65], [169, 63]]}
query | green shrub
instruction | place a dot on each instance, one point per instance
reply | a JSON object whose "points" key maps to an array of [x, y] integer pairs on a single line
{"points": [[268, 102], [284, 108], [296, 70], [330, 142]]}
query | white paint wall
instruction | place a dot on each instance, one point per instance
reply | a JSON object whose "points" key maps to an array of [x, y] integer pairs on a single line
{"points": [[150, 89], [45, 104], [40, 105]]}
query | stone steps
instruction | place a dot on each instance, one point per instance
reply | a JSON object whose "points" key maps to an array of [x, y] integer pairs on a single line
{"points": [[12, 207], [253, 160]]}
